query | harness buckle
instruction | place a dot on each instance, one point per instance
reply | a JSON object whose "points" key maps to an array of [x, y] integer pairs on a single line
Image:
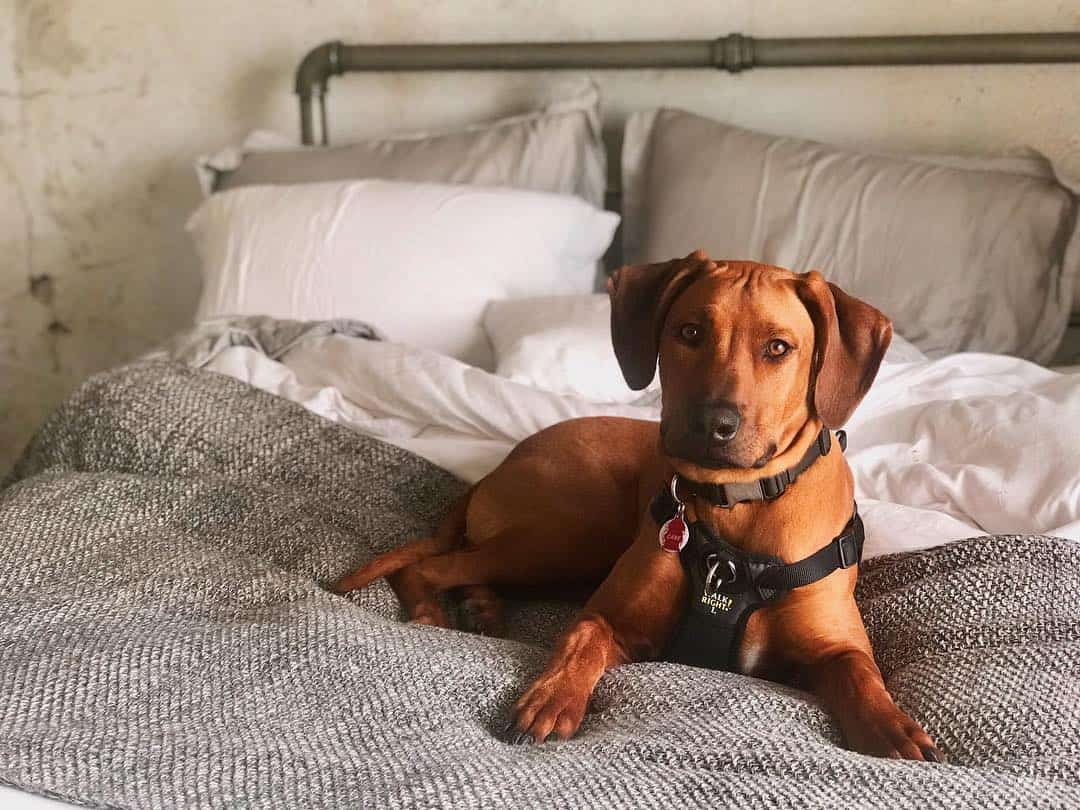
{"points": [[847, 550]]}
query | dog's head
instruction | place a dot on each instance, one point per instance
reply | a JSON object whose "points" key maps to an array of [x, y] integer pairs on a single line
{"points": [[747, 353]]}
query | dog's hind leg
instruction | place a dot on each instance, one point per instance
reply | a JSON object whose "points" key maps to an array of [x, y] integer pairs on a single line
{"points": [[481, 611], [511, 558], [449, 535], [514, 558], [418, 598]]}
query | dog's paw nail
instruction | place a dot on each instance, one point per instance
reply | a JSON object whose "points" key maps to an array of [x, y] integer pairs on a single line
{"points": [[524, 738], [933, 755]]}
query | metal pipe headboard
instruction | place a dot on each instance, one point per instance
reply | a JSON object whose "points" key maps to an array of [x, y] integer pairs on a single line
{"points": [[732, 53]]}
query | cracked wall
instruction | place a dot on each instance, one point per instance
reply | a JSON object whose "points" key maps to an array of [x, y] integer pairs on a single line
{"points": [[103, 106]]}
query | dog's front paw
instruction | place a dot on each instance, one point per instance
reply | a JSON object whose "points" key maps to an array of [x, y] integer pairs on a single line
{"points": [[553, 704], [891, 733]]}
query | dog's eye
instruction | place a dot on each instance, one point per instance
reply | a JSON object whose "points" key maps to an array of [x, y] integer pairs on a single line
{"points": [[777, 348], [690, 332]]}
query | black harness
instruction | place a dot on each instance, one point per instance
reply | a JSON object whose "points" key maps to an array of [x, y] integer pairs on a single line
{"points": [[727, 584]]}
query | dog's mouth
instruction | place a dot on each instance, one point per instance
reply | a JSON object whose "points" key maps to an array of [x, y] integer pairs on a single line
{"points": [[719, 456], [765, 457]]}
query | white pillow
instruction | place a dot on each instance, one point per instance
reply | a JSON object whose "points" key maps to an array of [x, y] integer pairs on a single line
{"points": [[417, 260], [563, 344]]}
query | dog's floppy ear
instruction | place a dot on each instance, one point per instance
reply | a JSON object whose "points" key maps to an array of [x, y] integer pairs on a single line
{"points": [[641, 296], [850, 339]]}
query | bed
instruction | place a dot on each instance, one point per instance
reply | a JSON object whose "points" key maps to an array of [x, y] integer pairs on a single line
{"points": [[168, 532]]}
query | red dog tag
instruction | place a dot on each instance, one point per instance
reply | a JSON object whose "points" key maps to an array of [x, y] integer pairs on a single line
{"points": [[674, 534]]}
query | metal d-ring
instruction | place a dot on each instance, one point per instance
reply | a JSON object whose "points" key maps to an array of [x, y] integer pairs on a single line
{"points": [[675, 490], [713, 580]]}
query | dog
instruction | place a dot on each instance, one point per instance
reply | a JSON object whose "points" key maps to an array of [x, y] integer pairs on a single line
{"points": [[758, 367]]}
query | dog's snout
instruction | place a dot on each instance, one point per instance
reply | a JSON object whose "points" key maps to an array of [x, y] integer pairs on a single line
{"points": [[718, 422], [725, 424]]}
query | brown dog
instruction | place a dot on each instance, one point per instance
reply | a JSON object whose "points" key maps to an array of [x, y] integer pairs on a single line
{"points": [[754, 362]]}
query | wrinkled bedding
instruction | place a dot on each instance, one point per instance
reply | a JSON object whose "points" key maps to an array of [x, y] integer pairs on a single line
{"points": [[166, 642], [941, 449]]}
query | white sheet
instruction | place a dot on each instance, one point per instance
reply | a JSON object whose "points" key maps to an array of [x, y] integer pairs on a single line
{"points": [[941, 450]]}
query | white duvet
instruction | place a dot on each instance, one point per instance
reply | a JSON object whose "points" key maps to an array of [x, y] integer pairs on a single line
{"points": [[941, 449]]}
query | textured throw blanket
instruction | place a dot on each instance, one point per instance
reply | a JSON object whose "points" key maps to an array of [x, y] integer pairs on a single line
{"points": [[165, 642]]}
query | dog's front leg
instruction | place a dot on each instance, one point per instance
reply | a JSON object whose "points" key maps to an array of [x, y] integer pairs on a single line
{"points": [[820, 628], [629, 618], [853, 691], [557, 700]]}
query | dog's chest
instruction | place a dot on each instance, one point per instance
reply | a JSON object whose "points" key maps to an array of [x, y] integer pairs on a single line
{"points": [[723, 595]]}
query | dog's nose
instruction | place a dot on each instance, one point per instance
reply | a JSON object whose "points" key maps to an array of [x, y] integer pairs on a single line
{"points": [[719, 422]]}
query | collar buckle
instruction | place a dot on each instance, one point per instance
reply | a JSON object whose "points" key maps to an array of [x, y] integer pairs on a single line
{"points": [[775, 485], [716, 494]]}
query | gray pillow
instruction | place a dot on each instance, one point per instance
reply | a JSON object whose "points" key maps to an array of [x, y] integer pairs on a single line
{"points": [[558, 149], [962, 253]]}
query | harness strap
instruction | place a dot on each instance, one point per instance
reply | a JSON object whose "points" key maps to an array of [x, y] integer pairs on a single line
{"points": [[769, 487], [843, 552]]}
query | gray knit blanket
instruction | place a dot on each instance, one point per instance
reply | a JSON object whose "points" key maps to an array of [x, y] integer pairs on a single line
{"points": [[165, 641]]}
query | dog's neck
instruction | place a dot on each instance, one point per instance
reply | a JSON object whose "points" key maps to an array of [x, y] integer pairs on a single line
{"points": [[811, 443], [735, 512], [784, 459]]}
